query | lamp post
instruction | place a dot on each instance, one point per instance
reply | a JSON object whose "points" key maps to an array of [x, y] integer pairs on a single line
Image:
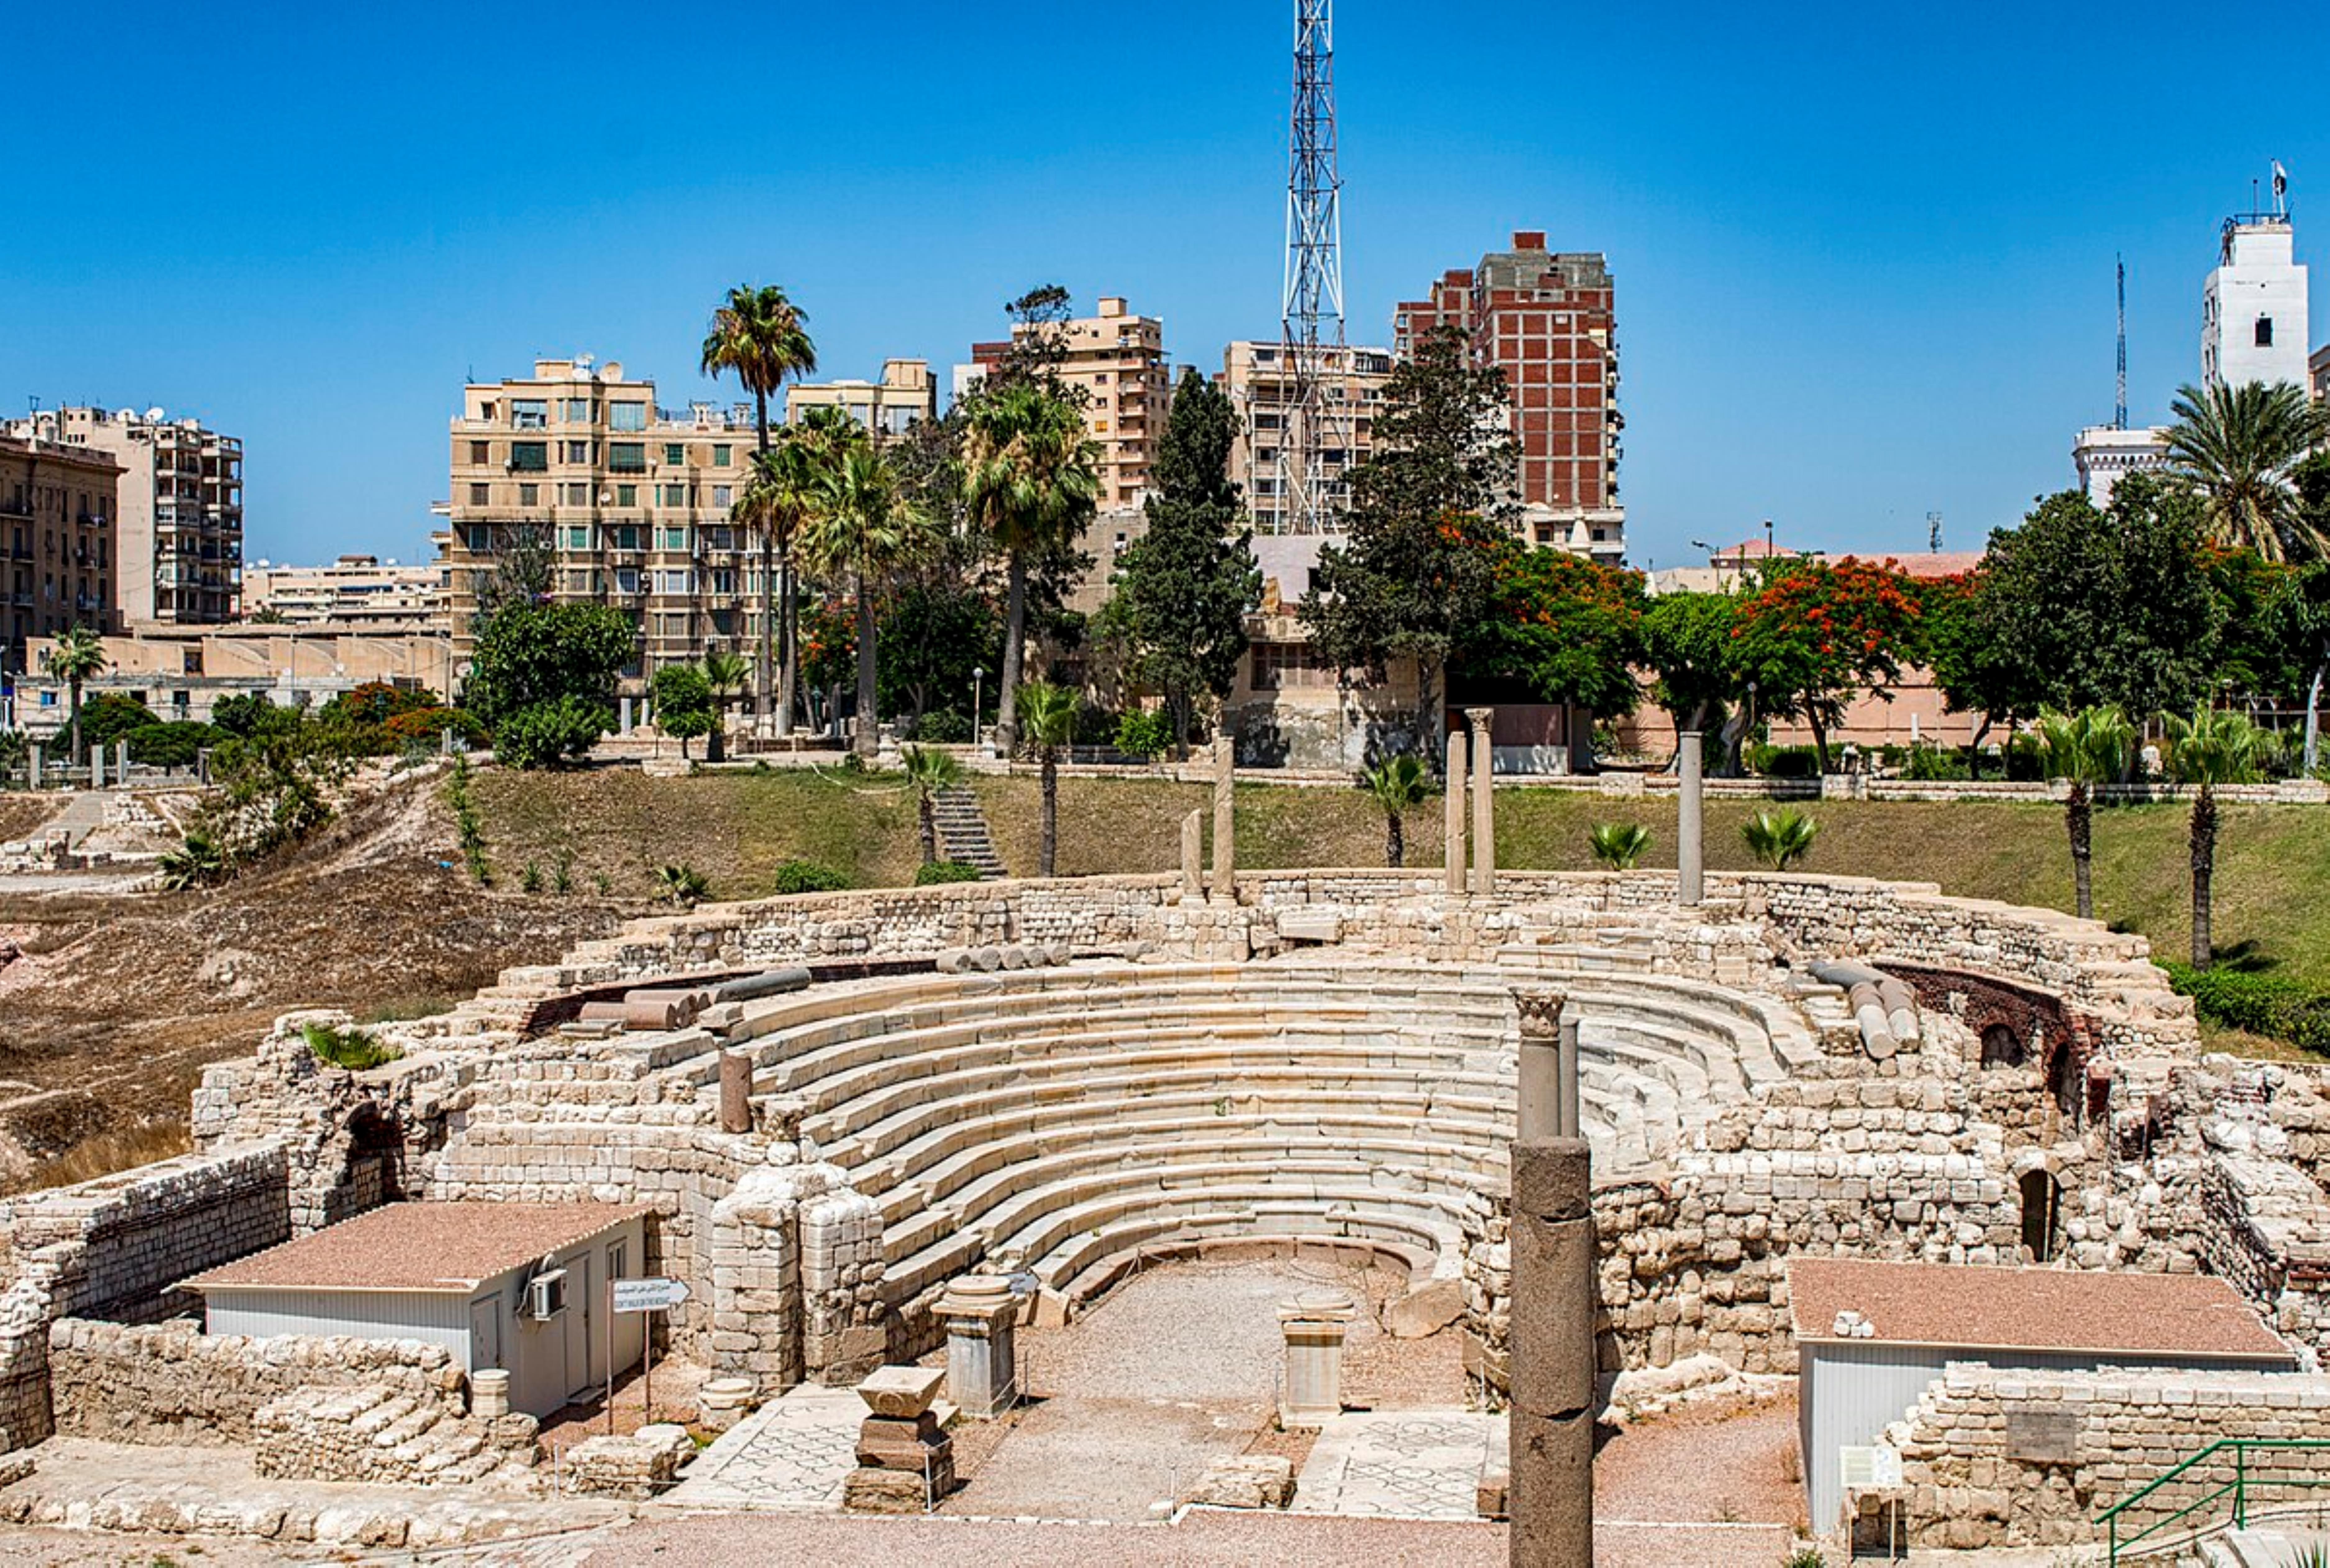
{"points": [[977, 701], [1768, 546]]}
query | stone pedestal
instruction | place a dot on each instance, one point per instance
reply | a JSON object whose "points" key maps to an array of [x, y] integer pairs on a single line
{"points": [[1484, 818], [983, 1370], [1193, 855], [1458, 760], [489, 1393], [1690, 840], [721, 1402], [1314, 1323], [1225, 819], [905, 1462], [1552, 1347]]}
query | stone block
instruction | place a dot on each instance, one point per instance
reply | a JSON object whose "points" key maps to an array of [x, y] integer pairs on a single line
{"points": [[1244, 1482], [902, 1391]]}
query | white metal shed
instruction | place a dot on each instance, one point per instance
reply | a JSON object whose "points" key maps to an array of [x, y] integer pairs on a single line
{"points": [[524, 1286]]}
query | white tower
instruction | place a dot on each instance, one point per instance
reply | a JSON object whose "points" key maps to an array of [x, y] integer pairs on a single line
{"points": [[2253, 322]]}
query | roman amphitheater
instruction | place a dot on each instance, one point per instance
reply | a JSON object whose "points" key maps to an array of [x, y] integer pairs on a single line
{"points": [[852, 1124]]}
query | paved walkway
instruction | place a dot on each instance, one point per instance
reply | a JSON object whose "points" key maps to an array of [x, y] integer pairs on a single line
{"points": [[789, 1456], [1409, 1464]]}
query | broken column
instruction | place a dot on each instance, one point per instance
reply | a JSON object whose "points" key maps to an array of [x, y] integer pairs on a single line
{"points": [[1314, 1323], [905, 1462], [1552, 1334], [489, 1393], [1484, 821], [32, 765], [121, 761], [736, 1092], [1690, 822], [1457, 763], [1193, 855], [1225, 819], [979, 1312], [624, 716]]}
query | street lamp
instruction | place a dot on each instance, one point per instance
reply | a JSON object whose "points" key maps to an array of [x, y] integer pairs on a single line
{"points": [[978, 701], [1768, 546]]}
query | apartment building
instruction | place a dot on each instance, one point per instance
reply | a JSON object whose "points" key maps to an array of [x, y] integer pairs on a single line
{"points": [[354, 592], [1547, 320], [906, 393], [632, 501], [1259, 377], [57, 522], [1117, 359], [179, 525]]}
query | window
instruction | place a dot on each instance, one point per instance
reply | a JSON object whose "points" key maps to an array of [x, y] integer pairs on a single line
{"points": [[671, 495], [674, 455], [2265, 332], [576, 411], [625, 536], [627, 416], [581, 580], [672, 538], [1277, 665], [477, 493], [627, 579], [481, 451], [529, 494], [627, 457], [627, 494], [529, 413], [529, 457], [578, 495], [576, 452], [720, 457], [722, 496], [574, 537], [677, 580]]}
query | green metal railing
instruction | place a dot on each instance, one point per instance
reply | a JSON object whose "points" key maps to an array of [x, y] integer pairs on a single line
{"points": [[2241, 1487]]}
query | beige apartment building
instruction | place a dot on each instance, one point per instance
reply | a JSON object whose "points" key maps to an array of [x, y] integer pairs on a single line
{"points": [[906, 393], [1259, 378], [632, 500], [355, 591], [179, 525], [1118, 361], [57, 526]]}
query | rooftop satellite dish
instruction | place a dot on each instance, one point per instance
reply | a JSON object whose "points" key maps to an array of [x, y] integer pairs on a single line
{"points": [[126, 415], [155, 414]]}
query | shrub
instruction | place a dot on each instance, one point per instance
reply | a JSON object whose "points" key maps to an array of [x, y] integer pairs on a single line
{"points": [[110, 716], [350, 1048], [1144, 733], [530, 879], [1618, 844], [548, 733], [943, 729], [936, 870], [809, 876], [2264, 1005], [1923, 763], [1095, 726], [1779, 836], [682, 885], [1785, 762], [425, 725], [200, 862], [172, 745]]}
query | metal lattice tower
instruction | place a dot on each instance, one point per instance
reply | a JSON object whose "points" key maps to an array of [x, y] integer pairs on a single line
{"points": [[1315, 442], [2119, 404]]}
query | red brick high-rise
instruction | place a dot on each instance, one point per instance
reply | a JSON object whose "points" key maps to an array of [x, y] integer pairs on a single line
{"points": [[1545, 318]]}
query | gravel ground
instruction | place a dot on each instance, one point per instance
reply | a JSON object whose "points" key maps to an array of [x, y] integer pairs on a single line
{"points": [[1711, 1466]]}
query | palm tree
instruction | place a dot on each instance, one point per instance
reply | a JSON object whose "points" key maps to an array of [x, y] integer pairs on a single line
{"points": [[2239, 445], [758, 337], [727, 674], [1779, 837], [861, 526], [1029, 478], [1050, 714], [1618, 845], [199, 862], [78, 655], [1396, 784], [931, 773], [2209, 750], [2090, 747], [683, 885]]}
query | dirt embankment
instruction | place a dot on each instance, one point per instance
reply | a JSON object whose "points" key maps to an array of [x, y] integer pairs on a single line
{"points": [[113, 1004]]}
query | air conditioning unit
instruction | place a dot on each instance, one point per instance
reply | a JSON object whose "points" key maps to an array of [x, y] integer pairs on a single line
{"points": [[545, 1295]]}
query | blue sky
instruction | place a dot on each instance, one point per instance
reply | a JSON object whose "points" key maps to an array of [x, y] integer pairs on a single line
{"points": [[1863, 253]]}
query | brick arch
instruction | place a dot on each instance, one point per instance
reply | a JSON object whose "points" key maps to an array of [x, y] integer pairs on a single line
{"points": [[2057, 1040]]}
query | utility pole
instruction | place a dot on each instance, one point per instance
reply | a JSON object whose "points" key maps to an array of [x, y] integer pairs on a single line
{"points": [[2119, 404], [1312, 299]]}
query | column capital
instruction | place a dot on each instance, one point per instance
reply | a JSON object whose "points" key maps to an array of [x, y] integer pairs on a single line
{"points": [[1478, 718]]}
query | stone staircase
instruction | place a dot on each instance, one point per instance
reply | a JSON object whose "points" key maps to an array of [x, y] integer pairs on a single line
{"points": [[962, 831], [379, 1435]]}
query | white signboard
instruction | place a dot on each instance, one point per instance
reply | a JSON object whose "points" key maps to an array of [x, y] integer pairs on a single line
{"points": [[648, 1295]]}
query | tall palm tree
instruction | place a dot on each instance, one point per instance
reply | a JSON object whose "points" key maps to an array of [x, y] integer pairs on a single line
{"points": [[861, 526], [2090, 747], [2239, 445], [1029, 479], [2209, 750], [931, 773], [1049, 713], [78, 653], [1396, 784], [727, 674], [760, 337]]}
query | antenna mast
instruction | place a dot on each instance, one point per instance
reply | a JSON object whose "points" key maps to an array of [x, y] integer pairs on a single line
{"points": [[2119, 404], [1311, 308]]}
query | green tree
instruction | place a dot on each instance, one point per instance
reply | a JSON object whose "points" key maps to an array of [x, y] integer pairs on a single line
{"points": [[1417, 571], [935, 635], [522, 573], [1568, 627], [1618, 845], [2092, 746], [2208, 750], [727, 676], [1398, 785], [2106, 606], [2240, 446], [762, 337], [1687, 640], [931, 773], [862, 528], [549, 734], [1028, 480], [1817, 634], [1049, 713], [683, 704], [1779, 836], [1976, 669], [541, 653], [78, 655], [1184, 588]]}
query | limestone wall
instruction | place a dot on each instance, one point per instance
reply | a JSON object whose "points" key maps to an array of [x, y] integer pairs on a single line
{"points": [[1992, 1458], [171, 1384]]}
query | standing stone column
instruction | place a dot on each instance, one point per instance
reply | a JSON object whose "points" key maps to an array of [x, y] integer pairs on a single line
{"points": [[1484, 817], [1314, 1323], [96, 767], [32, 764], [1552, 1344], [1193, 855], [121, 761], [1690, 823], [624, 718], [982, 1369], [1540, 1111], [1225, 819], [1457, 763]]}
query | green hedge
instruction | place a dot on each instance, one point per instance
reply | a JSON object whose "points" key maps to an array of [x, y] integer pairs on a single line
{"points": [[809, 876], [937, 871], [2261, 1003]]}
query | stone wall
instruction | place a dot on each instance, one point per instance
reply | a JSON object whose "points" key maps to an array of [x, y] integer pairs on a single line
{"points": [[170, 1383], [1993, 1458]]}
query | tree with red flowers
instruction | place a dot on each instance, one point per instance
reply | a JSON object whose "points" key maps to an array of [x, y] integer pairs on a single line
{"points": [[1818, 634], [1568, 626]]}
